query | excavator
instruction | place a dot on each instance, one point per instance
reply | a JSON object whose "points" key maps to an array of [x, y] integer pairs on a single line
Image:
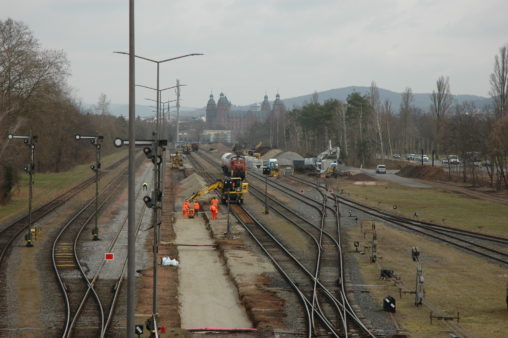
{"points": [[231, 188], [326, 162]]}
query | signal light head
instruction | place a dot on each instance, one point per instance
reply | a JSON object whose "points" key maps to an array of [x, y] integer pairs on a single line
{"points": [[148, 201]]}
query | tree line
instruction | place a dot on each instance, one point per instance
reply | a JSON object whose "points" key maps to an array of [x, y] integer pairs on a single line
{"points": [[36, 99], [368, 130]]}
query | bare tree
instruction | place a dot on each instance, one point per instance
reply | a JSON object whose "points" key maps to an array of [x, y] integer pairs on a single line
{"points": [[375, 104], [102, 107], [387, 113], [442, 100], [499, 83], [406, 107]]}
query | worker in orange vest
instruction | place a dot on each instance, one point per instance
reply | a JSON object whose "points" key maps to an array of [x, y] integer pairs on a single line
{"points": [[215, 201], [196, 207], [185, 208], [214, 211]]}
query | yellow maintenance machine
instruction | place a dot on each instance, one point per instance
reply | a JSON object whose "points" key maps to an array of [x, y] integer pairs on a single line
{"points": [[272, 168], [176, 161], [186, 148], [231, 188]]}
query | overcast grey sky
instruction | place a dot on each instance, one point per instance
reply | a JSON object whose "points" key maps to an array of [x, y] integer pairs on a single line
{"points": [[252, 47]]}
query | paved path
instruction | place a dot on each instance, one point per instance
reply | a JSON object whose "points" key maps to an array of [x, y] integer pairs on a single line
{"points": [[390, 176], [207, 296]]}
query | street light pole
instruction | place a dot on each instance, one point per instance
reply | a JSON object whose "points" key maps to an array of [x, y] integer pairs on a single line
{"points": [[30, 142], [177, 111], [158, 206], [131, 236]]}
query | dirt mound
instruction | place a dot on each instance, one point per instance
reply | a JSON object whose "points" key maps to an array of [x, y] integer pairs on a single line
{"points": [[361, 177], [271, 154], [263, 149], [425, 172]]}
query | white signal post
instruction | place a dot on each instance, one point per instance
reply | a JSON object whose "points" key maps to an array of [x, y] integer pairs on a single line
{"points": [[96, 142], [30, 142]]}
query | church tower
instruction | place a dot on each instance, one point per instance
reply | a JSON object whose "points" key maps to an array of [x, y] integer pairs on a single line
{"points": [[211, 113]]}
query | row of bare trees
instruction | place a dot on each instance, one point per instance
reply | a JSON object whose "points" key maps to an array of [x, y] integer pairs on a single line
{"points": [[35, 98], [368, 129]]}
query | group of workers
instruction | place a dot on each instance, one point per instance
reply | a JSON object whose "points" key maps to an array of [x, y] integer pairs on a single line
{"points": [[191, 209]]}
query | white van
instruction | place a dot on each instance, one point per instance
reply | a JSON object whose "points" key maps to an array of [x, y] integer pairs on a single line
{"points": [[381, 169]]}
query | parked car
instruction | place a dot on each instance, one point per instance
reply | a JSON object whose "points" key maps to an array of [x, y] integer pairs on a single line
{"points": [[425, 158], [381, 169], [453, 159], [396, 156], [410, 157], [444, 161]]}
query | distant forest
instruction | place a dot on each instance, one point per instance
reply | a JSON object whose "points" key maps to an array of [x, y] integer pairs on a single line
{"points": [[35, 100], [368, 129]]}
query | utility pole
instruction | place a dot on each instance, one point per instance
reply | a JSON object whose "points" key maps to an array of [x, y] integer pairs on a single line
{"points": [[177, 111], [131, 225], [29, 169], [96, 142]]}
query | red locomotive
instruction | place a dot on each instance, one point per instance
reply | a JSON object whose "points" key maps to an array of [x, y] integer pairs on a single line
{"points": [[233, 165]]}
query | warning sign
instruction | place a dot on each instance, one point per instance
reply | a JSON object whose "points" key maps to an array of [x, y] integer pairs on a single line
{"points": [[109, 256]]}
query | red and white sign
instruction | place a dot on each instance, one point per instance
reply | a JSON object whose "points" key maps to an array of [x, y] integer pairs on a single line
{"points": [[302, 191], [109, 256], [330, 190]]}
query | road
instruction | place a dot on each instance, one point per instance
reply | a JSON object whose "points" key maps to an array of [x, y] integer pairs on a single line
{"points": [[390, 176]]}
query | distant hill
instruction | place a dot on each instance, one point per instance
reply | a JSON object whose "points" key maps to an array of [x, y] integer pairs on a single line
{"points": [[421, 101]]}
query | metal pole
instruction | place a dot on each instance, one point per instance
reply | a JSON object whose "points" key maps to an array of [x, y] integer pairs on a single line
{"points": [[30, 194], [266, 194], [97, 167], [156, 209], [177, 111], [131, 246], [228, 228]]}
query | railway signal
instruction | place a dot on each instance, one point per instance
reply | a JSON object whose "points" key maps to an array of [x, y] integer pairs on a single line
{"points": [[29, 169], [153, 150], [415, 255], [138, 329], [96, 142]]}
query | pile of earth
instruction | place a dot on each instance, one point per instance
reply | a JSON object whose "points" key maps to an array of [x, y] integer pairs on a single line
{"points": [[361, 177], [287, 158], [190, 185], [424, 172], [272, 153]]}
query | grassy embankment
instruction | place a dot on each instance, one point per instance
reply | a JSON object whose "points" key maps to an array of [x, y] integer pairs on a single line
{"points": [[454, 280], [49, 185], [435, 206]]}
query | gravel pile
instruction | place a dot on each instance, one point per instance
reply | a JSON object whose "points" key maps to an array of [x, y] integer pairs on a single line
{"points": [[287, 158], [190, 185], [271, 154]]}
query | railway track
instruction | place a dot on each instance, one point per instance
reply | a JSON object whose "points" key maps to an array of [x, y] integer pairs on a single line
{"points": [[317, 280], [89, 299], [13, 229], [493, 248]]}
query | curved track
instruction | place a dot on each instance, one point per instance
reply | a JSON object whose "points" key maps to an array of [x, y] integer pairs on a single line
{"points": [[85, 317], [317, 280]]}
